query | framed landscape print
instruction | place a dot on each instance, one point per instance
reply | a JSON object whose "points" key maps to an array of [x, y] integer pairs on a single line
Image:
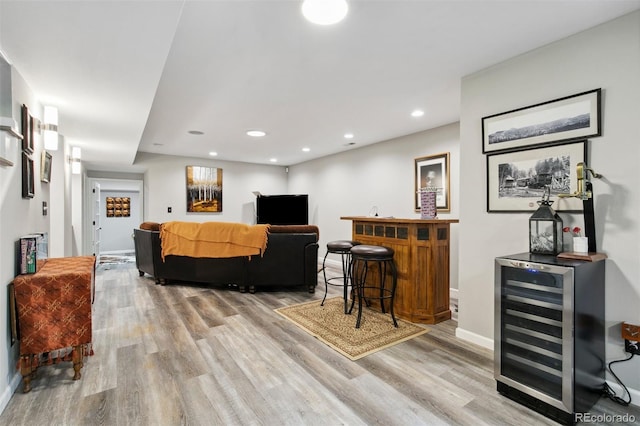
{"points": [[45, 167], [432, 172], [204, 189], [569, 118], [516, 180]]}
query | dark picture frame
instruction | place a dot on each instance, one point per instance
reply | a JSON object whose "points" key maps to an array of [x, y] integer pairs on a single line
{"points": [[433, 171], [28, 185], [27, 130], [45, 167], [516, 180], [560, 120], [204, 189]]}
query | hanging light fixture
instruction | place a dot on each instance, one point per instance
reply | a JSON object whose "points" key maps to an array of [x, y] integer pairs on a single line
{"points": [[50, 128], [325, 12]]}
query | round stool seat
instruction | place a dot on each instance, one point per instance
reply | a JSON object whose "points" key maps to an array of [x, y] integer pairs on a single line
{"points": [[341, 245], [372, 252]]}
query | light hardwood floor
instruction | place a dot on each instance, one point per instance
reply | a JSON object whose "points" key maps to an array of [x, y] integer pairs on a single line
{"points": [[178, 354]]}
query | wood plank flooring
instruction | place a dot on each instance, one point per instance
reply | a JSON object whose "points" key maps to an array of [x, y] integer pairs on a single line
{"points": [[179, 354]]}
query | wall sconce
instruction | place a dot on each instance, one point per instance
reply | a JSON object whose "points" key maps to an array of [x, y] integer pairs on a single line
{"points": [[76, 165], [50, 128]]}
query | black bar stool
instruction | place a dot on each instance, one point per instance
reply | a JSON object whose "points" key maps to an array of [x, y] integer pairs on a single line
{"points": [[361, 257], [343, 248]]}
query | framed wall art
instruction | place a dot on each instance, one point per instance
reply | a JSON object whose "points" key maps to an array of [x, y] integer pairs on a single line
{"points": [[516, 180], [560, 120], [28, 185], [45, 167], [433, 172], [118, 206], [204, 189], [27, 130]]}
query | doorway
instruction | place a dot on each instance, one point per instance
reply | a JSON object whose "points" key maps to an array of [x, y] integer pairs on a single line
{"points": [[116, 225]]}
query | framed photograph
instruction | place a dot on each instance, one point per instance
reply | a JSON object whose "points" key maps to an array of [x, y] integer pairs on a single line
{"points": [[433, 172], [27, 130], [569, 118], [45, 167], [28, 184], [204, 189], [516, 180]]}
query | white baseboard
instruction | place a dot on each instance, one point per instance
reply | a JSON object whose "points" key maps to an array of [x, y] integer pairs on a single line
{"points": [[635, 394], [9, 391], [453, 293], [474, 338]]}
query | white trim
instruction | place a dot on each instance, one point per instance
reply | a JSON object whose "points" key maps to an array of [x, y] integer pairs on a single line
{"points": [[635, 394], [474, 338], [10, 390]]}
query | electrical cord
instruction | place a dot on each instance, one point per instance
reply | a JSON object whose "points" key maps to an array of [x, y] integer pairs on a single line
{"points": [[609, 393]]}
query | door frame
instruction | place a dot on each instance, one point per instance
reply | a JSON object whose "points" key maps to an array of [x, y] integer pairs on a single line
{"points": [[106, 184]]}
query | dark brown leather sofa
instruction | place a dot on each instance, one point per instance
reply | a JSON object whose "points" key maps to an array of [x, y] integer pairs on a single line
{"points": [[290, 260]]}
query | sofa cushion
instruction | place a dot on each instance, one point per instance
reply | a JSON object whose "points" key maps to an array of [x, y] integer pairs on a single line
{"points": [[150, 226]]}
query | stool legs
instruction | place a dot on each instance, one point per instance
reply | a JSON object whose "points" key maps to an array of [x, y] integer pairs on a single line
{"points": [[359, 279], [346, 276]]}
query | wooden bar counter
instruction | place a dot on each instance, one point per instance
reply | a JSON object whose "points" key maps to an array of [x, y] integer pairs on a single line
{"points": [[422, 258]]}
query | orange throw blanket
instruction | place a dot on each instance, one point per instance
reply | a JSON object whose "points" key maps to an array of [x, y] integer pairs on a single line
{"points": [[212, 239]]}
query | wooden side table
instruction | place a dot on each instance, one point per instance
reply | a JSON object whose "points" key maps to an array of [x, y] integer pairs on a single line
{"points": [[54, 312]]}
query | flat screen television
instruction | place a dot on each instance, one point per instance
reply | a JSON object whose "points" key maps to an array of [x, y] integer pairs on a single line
{"points": [[283, 209]]}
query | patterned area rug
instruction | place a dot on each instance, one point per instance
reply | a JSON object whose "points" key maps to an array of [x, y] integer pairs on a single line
{"points": [[114, 259], [329, 324]]}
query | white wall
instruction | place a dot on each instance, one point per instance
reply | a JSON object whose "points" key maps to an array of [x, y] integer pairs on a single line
{"points": [[608, 57], [117, 231], [382, 175], [165, 186], [18, 217]]}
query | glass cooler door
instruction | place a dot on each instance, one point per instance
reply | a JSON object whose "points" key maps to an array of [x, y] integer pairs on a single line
{"points": [[534, 350]]}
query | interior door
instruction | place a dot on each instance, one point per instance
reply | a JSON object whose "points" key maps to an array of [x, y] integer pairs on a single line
{"points": [[96, 220]]}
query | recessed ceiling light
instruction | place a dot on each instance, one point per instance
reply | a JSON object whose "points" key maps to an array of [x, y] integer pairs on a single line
{"points": [[213, 153], [417, 113], [195, 132], [256, 133], [306, 149], [273, 160], [325, 12], [348, 135]]}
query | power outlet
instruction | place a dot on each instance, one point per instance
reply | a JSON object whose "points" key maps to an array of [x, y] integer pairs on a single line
{"points": [[632, 346], [631, 336]]}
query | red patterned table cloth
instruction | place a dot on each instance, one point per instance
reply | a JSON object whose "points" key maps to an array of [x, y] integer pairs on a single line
{"points": [[54, 310]]}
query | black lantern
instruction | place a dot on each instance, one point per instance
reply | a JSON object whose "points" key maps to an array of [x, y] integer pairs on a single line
{"points": [[545, 228]]}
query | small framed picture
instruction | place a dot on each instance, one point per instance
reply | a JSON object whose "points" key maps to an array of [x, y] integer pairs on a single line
{"points": [[27, 130], [45, 167], [28, 185], [432, 172]]}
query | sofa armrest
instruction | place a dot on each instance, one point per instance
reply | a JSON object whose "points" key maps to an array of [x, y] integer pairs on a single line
{"points": [[147, 249]]}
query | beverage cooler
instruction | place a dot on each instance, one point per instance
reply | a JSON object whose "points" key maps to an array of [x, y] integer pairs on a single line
{"points": [[549, 339]]}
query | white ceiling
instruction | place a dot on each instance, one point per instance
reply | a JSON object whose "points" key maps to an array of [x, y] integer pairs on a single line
{"points": [[130, 76]]}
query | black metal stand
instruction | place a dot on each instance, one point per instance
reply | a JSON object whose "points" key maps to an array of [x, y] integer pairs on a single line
{"points": [[589, 219]]}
